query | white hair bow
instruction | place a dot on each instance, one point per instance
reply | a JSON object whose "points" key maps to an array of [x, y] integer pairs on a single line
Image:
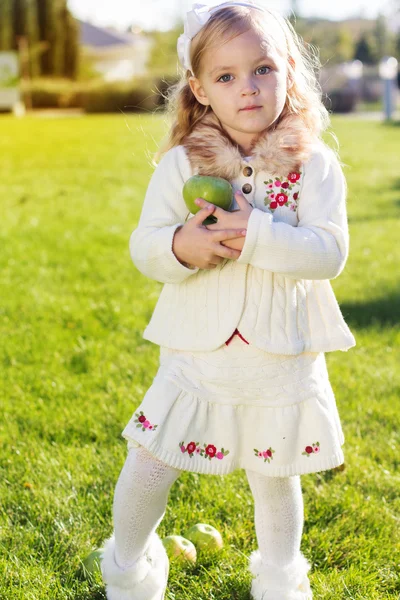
{"points": [[194, 21]]}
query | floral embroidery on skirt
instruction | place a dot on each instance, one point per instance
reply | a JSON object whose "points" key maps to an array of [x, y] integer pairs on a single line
{"points": [[255, 410]]}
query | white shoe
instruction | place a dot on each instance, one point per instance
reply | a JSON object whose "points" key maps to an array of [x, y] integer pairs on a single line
{"points": [[145, 580], [275, 583]]}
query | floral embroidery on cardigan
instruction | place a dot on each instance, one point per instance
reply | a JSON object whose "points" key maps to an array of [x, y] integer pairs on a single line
{"points": [[209, 451], [314, 449], [265, 454], [278, 191], [143, 422]]}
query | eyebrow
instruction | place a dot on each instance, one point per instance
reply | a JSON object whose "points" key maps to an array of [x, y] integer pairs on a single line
{"points": [[216, 69]]}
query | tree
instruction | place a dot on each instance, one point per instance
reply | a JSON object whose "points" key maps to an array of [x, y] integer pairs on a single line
{"points": [[365, 50], [53, 38], [18, 21], [6, 28], [71, 55], [397, 47], [32, 33], [59, 34], [384, 40], [343, 45], [45, 17], [163, 58], [51, 33]]}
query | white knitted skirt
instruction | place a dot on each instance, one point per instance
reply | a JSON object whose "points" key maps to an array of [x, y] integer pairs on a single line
{"points": [[240, 407]]}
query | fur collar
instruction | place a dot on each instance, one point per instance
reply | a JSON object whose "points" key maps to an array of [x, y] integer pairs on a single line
{"points": [[279, 150]]}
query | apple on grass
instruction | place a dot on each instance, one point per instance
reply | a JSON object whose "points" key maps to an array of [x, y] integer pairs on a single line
{"points": [[205, 537], [91, 564], [215, 190], [178, 547]]}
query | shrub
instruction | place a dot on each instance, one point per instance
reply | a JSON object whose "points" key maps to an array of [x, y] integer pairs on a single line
{"points": [[341, 100], [163, 85], [141, 94], [53, 93], [136, 96]]}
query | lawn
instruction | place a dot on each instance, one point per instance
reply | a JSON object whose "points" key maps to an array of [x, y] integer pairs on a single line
{"points": [[74, 367]]}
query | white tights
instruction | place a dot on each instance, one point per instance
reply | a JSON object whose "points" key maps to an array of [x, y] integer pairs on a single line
{"points": [[141, 496]]}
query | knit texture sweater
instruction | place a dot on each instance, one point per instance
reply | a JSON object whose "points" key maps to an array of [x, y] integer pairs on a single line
{"points": [[277, 293]]}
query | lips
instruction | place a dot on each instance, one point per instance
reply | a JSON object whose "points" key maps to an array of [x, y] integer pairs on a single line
{"points": [[250, 108]]}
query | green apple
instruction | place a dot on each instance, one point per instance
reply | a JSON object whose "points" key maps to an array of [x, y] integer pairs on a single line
{"points": [[91, 564], [205, 537], [180, 548], [215, 190]]}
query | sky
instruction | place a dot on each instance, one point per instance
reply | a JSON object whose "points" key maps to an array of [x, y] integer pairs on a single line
{"points": [[162, 14]]}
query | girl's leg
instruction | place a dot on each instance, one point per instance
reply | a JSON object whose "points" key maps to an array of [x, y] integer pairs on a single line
{"points": [[278, 516], [279, 568], [140, 500], [135, 564]]}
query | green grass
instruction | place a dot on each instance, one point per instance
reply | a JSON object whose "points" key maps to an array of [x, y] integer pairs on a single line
{"points": [[74, 367]]}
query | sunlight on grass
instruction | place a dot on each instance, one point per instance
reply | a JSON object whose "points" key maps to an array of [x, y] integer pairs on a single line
{"points": [[75, 366]]}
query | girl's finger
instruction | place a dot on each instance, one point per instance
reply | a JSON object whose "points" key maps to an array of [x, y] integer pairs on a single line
{"points": [[226, 252], [203, 214], [240, 199], [218, 212], [228, 234]]}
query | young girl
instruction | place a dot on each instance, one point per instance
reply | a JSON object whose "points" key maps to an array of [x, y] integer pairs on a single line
{"points": [[247, 311]]}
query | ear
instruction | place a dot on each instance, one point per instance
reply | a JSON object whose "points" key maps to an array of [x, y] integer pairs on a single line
{"points": [[198, 91]]}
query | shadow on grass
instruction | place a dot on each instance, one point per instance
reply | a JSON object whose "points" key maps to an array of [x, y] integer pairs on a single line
{"points": [[393, 123], [394, 184], [390, 216], [364, 218], [384, 311]]}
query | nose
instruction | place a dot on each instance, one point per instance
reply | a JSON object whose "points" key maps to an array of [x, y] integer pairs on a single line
{"points": [[250, 87]]}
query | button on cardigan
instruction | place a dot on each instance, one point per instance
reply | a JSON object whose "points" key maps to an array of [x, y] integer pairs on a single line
{"points": [[277, 293]]}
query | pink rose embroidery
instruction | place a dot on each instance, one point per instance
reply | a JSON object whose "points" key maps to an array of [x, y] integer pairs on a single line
{"points": [[208, 451], [294, 177], [265, 454], [285, 195], [191, 447], [211, 450], [281, 199], [314, 449], [144, 423]]}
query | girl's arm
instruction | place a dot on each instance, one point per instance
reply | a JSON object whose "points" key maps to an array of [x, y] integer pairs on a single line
{"points": [[163, 244], [318, 247], [151, 242]]}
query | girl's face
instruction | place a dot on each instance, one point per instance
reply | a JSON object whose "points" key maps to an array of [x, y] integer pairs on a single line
{"points": [[244, 72]]}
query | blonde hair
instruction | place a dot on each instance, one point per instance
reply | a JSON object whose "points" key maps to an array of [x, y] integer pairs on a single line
{"points": [[304, 95]]}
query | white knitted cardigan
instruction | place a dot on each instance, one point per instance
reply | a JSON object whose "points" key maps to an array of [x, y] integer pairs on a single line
{"points": [[278, 292]]}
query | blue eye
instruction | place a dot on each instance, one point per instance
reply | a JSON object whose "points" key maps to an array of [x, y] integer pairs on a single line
{"points": [[222, 78], [264, 67]]}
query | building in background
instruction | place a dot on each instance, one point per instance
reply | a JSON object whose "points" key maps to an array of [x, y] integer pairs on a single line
{"points": [[117, 56]]}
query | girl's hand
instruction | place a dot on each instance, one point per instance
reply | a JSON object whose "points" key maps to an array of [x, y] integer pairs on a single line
{"points": [[194, 245], [233, 219], [236, 244]]}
